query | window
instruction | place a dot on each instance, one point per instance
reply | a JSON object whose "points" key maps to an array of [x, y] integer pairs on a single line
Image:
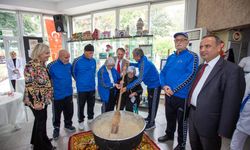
{"points": [[129, 17], [105, 21], [81, 23], [32, 24], [8, 23], [166, 19]]}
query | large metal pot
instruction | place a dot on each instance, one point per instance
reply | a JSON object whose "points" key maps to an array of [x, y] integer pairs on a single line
{"points": [[115, 142]]}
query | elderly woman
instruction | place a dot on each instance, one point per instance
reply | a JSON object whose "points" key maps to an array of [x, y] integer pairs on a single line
{"points": [[38, 94], [131, 98], [107, 79], [15, 68]]}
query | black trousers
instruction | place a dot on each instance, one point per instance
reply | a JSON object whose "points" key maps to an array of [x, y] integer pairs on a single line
{"points": [[39, 137], [153, 102], [84, 97], [199, 142], [67, 107], [13, 82], [175, 109], [110, 105]]}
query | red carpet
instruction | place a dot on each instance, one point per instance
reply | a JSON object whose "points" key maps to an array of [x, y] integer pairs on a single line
{"points": [[85, 141]]}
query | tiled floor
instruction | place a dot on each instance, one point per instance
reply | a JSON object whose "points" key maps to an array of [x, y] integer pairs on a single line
{"points": [[19, 140]]}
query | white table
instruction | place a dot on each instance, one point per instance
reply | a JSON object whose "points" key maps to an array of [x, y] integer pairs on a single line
{"points": [[11, 109], [20, 84]]}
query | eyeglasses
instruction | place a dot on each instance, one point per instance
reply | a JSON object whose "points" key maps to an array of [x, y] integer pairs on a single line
{"points": [[180, 40]]}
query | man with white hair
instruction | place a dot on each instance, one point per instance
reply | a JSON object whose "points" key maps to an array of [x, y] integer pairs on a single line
{"points": [[150, 76], [107, 81]]}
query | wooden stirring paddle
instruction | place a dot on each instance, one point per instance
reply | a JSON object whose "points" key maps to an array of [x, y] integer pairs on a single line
{"points": [[117, 116]]}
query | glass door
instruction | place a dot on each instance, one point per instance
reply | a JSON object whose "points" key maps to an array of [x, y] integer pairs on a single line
{"points": [[7, 45]]}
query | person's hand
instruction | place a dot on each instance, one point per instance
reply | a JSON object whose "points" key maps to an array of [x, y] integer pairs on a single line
{"points": [[168, 91], [127, 63], [165, 88], [133, 94], [38, 106], [124, 68], [27, 101], [123, 90]]}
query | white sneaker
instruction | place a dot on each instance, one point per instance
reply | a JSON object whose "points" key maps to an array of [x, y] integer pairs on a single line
{"points": [[81, 126], [90, 120]]}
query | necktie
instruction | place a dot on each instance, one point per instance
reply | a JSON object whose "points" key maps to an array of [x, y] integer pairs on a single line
{"points": [[118, 67], [197, 79]]}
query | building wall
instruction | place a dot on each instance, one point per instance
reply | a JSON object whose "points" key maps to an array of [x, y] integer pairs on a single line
{"points": [[222, 14], [223, 35]]}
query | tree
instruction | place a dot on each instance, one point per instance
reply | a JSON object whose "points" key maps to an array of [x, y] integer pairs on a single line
{"points": [[161, 23], [129, 17], [32, 24], [8, 21]]}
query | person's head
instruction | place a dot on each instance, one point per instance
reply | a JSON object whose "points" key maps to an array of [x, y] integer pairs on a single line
{"points": [[210, 47], [89, 51], [109, 63], [13, 54], [181, 41], [41, 52], [131, 71], [64, 56], [120, 52], [137, 54]]}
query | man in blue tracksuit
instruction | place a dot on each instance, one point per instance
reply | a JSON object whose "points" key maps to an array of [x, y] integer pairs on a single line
{"points": [[176, 78], [150, 76], [60, 73], [84, 70]]}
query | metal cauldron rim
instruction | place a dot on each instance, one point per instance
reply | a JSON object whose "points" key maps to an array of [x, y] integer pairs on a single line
{"points": [[112, 112]]}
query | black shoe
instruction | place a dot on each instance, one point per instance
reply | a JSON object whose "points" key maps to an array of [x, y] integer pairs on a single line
{"points": [[146, 120], [165, 138], [56, 133], [150, 126], [179, 147], [70, 129], [53, 148]]}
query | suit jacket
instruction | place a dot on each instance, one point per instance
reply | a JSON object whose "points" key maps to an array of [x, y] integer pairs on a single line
{"points": [[218, 103]]}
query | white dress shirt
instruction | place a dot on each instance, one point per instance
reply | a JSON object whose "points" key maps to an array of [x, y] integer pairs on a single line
{"points": [[116, 64], [207, 71], [110, 76]]}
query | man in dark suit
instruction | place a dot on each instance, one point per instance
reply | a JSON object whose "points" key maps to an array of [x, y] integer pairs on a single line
{"points": [[215, 98], [120, 61]]}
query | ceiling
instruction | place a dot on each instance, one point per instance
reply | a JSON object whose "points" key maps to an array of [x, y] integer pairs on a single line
{"points": [[68, 7]]}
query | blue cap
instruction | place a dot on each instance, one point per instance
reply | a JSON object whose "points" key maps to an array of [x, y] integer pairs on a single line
{"points": [[181, 33]]}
